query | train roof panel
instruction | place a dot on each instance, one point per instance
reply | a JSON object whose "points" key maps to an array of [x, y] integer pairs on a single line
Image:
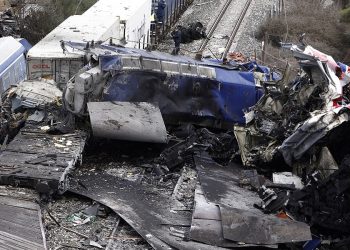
{"points": [[121, 8], [74, 28]]}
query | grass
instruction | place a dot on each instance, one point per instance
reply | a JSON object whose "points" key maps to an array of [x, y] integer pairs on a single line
{"points": [[321, 24]]}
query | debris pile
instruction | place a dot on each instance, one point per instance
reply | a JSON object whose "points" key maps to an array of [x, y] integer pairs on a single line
{"points": [[237, 56], [194, 163], [292, 117], [31, 101], [40, 141], [324, 204]]}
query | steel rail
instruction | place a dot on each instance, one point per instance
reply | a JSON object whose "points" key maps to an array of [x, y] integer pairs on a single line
{"points": [[236, 28], [214, 26]]}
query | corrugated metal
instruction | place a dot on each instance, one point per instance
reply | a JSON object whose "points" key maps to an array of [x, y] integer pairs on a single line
{"points": [[20, 224]]}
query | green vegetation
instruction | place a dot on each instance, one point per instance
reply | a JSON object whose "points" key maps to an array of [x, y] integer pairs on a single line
{"points": [[345, 15], [320, 23], [72, 7]]}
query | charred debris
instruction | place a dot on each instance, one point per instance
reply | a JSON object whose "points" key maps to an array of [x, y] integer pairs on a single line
{"points": [[217, 156]]}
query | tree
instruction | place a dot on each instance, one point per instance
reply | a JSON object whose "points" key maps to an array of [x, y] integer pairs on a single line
{"points": [[73, 7], [38, 22]]}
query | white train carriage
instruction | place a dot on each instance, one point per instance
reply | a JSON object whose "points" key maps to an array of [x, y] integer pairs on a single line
{"points": [[126, 22], [134, 15]]}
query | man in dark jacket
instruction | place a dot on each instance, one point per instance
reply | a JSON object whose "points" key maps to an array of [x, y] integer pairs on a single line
{"points": [[161, 11], [176, 35]]}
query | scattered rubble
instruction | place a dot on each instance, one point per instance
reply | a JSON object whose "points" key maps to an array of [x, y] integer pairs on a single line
{"points": [[145, 150], [195, 173], [37, 156], [291, 117]]}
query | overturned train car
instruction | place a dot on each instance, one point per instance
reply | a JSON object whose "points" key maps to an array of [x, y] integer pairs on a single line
{"points": [[185, 90]]}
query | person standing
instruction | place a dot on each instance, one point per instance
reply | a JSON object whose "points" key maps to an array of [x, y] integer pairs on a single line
{"points": [[176, 35], [161, 11]]}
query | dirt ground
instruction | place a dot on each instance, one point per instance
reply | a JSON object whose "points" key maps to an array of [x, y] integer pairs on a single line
{"points": [[3, 5]]}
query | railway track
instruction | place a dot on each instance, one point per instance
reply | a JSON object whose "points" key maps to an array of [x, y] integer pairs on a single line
{"points": [[220, 29]]}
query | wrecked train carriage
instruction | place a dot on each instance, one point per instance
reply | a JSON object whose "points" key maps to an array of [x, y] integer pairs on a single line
{"points": [[292, 117], [186, 90]]}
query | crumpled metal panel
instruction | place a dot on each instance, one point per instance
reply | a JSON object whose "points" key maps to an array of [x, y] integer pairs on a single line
{"points": [[241, 221], [36, 93], [127, 121], [206, 224], [310, 133], [244, 226], [150, 213], [209, 231], [221, 185]]}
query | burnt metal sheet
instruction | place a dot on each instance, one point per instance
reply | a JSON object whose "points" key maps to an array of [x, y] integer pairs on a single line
{"points": [[209, 232], [128, 121], [241, 221], [206, 224], [241, 225], [204, 209], [20, 224], [40, 160], [221, 185], [149, 212], [312, 130]]}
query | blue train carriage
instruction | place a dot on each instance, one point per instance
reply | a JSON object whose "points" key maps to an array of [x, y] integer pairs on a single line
{"points": [[13, 68], [201, 92]]}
